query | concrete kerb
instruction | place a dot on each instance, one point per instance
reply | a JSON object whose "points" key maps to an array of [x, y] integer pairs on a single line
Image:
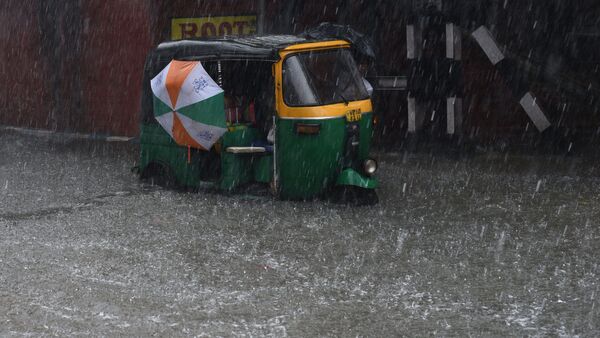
{"points": [[67, 135]]}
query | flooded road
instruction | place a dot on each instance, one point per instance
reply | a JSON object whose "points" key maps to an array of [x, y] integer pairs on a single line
{"points": [[482, 244]]}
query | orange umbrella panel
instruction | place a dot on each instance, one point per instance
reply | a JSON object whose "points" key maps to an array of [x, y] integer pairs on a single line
{"points": [[189, 104]]}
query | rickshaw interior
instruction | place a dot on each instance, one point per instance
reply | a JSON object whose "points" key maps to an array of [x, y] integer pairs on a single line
{"points": [[249, 107], [248, 87]]}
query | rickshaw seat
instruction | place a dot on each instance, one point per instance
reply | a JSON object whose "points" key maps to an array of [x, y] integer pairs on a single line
{"points": [[265, 144]]}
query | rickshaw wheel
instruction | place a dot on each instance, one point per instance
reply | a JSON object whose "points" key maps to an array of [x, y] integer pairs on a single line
{"points": [[159, 174], [355, 196]]}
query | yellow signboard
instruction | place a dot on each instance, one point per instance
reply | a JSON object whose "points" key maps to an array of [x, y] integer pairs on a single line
{"points": [[189, 28]]}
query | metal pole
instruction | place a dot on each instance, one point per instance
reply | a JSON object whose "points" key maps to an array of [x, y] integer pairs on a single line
{"points": [[275, 176], [454, 93], [219, 74], [260, 29]]}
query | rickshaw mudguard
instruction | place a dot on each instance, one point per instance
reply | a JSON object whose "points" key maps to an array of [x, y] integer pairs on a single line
{"points": [[350, 176]]}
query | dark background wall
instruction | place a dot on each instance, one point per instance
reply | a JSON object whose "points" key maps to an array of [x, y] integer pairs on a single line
{"points": [[77, 65], [73, 65], [24, 91]]}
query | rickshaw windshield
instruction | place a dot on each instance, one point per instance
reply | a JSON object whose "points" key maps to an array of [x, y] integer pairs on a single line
{"points": [[321, 78]]}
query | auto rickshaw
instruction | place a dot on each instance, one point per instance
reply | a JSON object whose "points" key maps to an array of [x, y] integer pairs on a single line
{"points": [[299, 118]]}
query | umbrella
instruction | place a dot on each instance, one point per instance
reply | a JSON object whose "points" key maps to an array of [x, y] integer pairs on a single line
{"points": [[188, 104]]}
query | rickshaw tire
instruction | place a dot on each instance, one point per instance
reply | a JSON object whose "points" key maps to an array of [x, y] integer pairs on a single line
{"points": [[352, 195], [369, 197], [159, 174]]}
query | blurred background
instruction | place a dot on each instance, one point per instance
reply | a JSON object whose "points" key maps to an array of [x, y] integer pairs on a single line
{"points": [[76, 66]]}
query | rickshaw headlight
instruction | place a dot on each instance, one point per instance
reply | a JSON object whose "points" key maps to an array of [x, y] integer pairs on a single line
{"points": [[370, 166]]}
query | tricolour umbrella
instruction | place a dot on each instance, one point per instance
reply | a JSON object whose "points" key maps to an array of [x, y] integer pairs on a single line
{"points": [[188, 104]]}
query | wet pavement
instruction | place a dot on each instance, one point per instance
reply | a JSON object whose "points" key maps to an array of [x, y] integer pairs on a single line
{"points": [[481, 244]]}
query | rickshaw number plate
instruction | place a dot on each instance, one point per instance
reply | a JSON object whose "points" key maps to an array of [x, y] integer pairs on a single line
{"points": [[353, 115]]}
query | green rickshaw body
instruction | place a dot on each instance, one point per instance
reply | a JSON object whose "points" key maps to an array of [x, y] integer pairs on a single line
{"points": [[317, 146], [310, 164]]}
